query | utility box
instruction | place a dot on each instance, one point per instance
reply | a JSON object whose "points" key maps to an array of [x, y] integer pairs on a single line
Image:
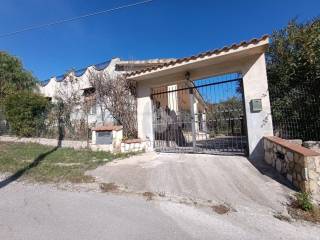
{"points": [[256, 105]]}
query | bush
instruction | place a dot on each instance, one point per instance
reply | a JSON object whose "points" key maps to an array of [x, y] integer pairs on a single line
{"points": [[304, 201], [26, 113]]}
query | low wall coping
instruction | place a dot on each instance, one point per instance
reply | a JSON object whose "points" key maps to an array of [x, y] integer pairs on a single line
{"points": [[293, 147], [132, 141], [107, 128]]}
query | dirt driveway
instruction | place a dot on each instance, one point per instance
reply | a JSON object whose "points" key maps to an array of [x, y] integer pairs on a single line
{"points": [[219, 179]]}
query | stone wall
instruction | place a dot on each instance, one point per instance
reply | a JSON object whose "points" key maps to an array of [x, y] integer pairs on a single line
{"points": [[301, 166], [46, 141], [134, 145]]}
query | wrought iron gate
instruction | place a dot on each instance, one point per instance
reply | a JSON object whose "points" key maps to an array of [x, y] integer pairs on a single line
{"points": [[204, 116]]}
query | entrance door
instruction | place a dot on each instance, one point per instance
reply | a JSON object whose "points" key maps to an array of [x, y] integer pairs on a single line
{"points": [[204, 116]]}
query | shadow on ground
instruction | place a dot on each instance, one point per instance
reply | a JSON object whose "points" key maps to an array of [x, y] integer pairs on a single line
{"points": [[269, 171], [37, 160]]}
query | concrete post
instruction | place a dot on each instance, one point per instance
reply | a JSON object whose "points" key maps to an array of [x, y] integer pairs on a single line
{"points": [[192, 102], [259, 124]]}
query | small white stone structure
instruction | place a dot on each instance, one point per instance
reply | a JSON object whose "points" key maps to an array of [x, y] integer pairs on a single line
{"points": [[247, 58], [109, 137]]}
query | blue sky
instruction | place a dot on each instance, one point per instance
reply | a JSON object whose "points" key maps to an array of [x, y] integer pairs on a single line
{"points": [[161, 29]]}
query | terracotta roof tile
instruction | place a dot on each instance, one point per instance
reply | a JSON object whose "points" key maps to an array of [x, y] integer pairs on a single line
{"points": [[200, 55]]}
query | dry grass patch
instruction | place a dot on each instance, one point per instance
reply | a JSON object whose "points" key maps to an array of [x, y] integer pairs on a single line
{"points": [[222, 209], [310, 216], [148, 195], [282, 217], [109, 187]]}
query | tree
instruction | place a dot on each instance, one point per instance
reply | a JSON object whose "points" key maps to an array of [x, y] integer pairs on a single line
{"points": [[72, 107], [26, 113], [13, 77], [293, 65], [116, 94], [226, 117]]}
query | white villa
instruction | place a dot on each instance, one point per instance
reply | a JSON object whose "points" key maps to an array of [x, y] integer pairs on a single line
{"points": [[77, 82]]}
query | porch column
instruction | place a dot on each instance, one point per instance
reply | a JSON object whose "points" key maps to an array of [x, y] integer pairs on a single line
{"points": [[204, 121], [173, 97], [196, 114], [192, 102], [144, 112]]}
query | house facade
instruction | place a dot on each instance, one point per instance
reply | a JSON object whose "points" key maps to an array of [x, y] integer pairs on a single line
{"points": [[76, 85]]}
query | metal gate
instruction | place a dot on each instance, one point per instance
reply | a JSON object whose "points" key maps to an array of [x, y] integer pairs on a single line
{"points": [[203, 116]]}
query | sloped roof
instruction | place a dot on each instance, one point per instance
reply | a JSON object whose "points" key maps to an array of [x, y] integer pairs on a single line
{"points": [[199, 56]]}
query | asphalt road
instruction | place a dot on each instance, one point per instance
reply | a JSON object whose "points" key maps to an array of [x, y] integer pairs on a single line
{"points": [[44, 212]]}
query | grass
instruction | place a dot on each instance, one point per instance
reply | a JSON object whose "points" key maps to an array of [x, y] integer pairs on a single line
{"points": [[61, 165]]}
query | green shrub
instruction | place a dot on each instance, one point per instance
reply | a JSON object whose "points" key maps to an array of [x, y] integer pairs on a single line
{"points": [[304, 201], [26, 113]]}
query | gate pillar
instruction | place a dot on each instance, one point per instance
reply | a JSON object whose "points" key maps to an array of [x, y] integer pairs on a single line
{"points": [[259, 123]]}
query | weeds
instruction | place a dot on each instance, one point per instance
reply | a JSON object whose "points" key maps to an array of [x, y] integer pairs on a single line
{"points": [[148, 195], [221, 209], [303, 200], [109, 187], [302, 208]]}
